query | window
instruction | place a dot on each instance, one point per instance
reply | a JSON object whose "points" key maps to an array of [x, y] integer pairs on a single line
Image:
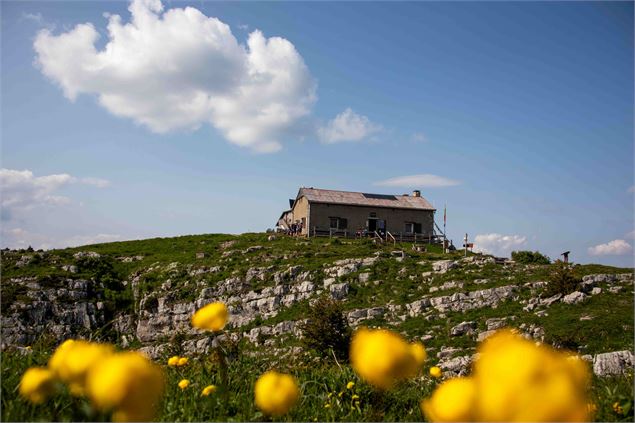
{"points": [[338, 223], [410, 227], [372, 214]]}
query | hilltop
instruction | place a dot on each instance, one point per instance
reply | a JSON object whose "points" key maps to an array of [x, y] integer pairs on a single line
{"points": [[141, 295]]}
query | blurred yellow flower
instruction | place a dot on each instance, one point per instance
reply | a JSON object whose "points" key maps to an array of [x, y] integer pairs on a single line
{"points": [[435, 372], [617, 408], [514, 379], [173, 361], [211, 317], [74, 358], [355, 397], [28, 348], [37, 384], [451, 401], [327, 405], [128, 384], [184, 383], [382, 357], [209, 389], [182, 361], [276, 393], [350, 385]]}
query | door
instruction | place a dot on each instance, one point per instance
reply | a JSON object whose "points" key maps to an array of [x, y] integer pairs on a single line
{"points": [[372, 225]]}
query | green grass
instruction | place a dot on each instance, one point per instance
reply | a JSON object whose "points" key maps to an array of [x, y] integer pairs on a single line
{"points": [[610, 329]]}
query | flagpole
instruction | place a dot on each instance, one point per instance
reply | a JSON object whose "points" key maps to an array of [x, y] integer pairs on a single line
{"points": [[445, 239]]}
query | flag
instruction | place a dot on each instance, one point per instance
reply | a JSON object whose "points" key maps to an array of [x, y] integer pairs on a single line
{"points": [[444, 214]]}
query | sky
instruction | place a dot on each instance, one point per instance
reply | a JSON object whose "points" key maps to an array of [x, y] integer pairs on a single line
{"points": [[134, 120]]}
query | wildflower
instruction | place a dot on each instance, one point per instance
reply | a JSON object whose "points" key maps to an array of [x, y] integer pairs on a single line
{"points": [[211, 317], [350, 385], [355, 397], [340, 394], [28, 348], [74, 358], [182, 361], [451, 402], [276, 393], [184, 383], [37, 384], [327, 405], [382, 357], [591, 407], [173, 361], [209, 389], [618, 408], [128, 384], [435, 372], [514, 380]]}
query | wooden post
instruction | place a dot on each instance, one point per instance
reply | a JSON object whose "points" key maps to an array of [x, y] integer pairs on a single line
{"points": [[466, 245]]}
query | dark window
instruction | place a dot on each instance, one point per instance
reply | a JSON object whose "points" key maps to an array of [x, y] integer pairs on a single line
{"points": [[410, 227], [380, 196], [338, 223], [372, 214], [333, 222], [417, 228]]}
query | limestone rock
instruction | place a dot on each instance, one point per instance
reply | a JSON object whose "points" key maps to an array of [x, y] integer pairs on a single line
{"points": [[463, 328], [613, 363], [443, 266], [574, 298]]}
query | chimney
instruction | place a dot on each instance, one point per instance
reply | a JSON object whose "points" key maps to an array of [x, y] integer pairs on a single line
{"points": [[416, 193]]}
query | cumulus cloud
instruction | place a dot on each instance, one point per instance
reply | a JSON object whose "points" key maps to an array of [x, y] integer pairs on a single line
{"points": [[179, 69], [497, 244], [422, 180], [630, 235], [347, 126], [617, 247], [21, 190]]}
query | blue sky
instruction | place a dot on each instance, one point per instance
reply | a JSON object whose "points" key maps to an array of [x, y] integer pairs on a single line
{"points": [[523, 112]]}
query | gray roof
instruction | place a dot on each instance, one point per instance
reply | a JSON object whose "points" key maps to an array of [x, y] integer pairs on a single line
{"points": [[328, 196]]}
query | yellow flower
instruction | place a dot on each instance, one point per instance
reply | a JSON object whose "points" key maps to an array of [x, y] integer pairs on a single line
{"points": [[617, 408], [73, 359], [327, 405], [355, 397], [591, 407], [452, 401], [173, 361], [182, 361], [184, 383], [435, 372], [350, 385], [128, 384], [28, 348], [514, 379], [382, 357], [276, 393], [209, 389], [37, 384], [211, 317]]}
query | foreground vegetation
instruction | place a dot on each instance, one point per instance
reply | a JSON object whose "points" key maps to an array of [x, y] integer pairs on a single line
{"points": [[595, 326]]}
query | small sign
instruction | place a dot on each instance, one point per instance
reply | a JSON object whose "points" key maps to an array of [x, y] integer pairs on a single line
{"points": [[469, 245]]}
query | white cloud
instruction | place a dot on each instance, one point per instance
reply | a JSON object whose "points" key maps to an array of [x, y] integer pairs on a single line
{"points": [[96, 182], [21, 238], [497, 244], [419, 137], [35, 17], [21, 190], [347, 126], [630, 235], [178, 69], [422, 180], [617, 247]]}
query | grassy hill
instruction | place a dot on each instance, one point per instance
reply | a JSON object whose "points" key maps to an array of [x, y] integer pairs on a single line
{"points": [[153, 284]]}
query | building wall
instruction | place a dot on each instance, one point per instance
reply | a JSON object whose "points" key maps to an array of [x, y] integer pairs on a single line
{"points": [[357, 217], [300, 211]]}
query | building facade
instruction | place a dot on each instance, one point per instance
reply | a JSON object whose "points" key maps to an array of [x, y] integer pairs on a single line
{"points": [[320, 211]]}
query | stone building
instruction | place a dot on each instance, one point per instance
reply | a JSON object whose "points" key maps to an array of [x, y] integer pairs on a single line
{"points": [[344, 213]]}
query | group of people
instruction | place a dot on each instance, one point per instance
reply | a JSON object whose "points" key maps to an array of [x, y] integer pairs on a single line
{"points": [[294, 229]]}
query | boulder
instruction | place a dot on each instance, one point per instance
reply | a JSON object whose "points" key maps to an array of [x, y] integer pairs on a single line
{"points": [[443, 266], [574, 298], [463, 328], [613, 363]]}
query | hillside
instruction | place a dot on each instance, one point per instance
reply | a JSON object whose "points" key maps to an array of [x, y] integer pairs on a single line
{"points": [[141, 295]]}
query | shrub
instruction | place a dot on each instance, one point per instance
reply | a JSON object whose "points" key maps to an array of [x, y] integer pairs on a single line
{"points": [[326, 329], [530, 257], [562, 280]]}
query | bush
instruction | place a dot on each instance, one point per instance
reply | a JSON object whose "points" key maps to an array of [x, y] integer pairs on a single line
{"points": [[562, 280], [530, 257], [327, 329]]}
